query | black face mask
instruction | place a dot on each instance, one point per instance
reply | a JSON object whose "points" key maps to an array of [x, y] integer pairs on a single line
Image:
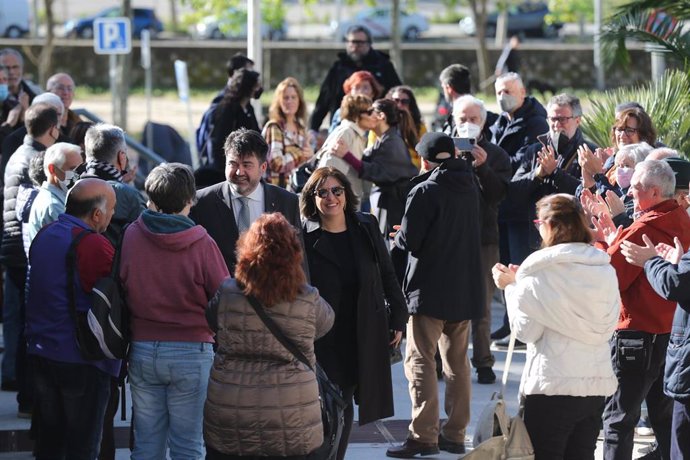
{"points": [[258, 93]]}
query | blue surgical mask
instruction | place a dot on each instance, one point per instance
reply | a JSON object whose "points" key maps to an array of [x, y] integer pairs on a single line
{"points": [[4, 92]]}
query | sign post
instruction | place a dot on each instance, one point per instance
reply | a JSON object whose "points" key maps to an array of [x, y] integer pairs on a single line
{"points": [[112, 36], [183, 91]]}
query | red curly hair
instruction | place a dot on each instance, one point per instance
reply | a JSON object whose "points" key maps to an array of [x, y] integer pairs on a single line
{"points": [[269, 260]]}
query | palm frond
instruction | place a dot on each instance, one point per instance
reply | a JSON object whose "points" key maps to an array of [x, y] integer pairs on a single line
{"points": [[654, 27]]}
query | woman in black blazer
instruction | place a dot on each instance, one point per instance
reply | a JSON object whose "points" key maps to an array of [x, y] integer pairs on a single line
{"points": [[351, 267]]}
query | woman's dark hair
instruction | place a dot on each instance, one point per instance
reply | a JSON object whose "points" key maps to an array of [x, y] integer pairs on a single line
{"points": [[414, 108], [307, 200], [171, 187], [564, 214], [400, 118], [240, 86], [352, 107], [78, 133], [269, 260], [645, 127]]}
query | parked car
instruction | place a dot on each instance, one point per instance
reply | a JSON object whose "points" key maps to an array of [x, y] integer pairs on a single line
{"points": [[142, 18], [378, 21], [526, 19], [14, 18], [233, 25]]}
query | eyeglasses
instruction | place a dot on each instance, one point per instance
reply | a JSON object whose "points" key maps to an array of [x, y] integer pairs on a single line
{"points": [[401, 101], [358, 42], [627, 130], [537, 223], [69, 89], [323, 192], [560, 119]]}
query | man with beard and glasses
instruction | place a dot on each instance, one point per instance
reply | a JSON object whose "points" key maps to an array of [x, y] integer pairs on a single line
{"points": [[358, 55], [550, 165], [227, 209]]}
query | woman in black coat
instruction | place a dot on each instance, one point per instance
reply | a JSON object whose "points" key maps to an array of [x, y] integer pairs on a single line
{"points": [[351, 267], [235, 111]]}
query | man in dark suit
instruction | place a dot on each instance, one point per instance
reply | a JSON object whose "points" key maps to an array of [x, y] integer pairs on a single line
{"points": [[227, 209]]}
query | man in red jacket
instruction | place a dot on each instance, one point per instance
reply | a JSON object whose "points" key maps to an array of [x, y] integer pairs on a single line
{"points": [[638, 347]]}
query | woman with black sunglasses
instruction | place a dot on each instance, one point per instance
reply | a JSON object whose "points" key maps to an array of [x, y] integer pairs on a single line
{"points": [[350, 265]]}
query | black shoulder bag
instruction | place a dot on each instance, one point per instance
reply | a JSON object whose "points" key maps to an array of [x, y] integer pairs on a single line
{"points": [[332, 403]]}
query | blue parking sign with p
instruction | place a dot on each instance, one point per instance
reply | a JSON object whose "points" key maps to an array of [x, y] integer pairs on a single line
{"points": [[112, 36]]}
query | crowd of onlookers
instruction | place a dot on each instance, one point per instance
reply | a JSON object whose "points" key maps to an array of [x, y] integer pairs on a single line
{"points": [[348, 239]]}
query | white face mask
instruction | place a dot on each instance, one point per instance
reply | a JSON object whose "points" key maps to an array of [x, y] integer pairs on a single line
{"points": [[67, 181], [624, 176], [469, 130]]}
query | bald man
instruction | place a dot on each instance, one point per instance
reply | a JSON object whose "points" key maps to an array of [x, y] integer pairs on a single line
{"points": [[63, 85], [70, 426]]}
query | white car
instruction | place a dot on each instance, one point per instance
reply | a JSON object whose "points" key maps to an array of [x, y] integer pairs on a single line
{"points": [[234, 27], [378, 21]]}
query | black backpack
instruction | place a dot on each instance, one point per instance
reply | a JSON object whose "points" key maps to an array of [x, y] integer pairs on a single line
{"points": [[103, 331]]}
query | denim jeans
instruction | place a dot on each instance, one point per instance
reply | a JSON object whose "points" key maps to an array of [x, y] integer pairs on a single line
{"points": [[70, 405], [168, 382], [680, 434]]}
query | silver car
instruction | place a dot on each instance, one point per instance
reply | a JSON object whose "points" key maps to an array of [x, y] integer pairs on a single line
{"points": [[378, 21]]}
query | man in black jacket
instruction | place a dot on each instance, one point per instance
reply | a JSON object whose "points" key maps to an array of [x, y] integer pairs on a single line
{"points": [[358, 55], [444, 290], [491, 167], [550, 165], [522, 119]]}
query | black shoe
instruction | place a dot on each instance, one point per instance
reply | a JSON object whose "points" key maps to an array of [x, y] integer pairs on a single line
{"points": [[503, 343], [500, 333], [410, 448], [450, 446], [485, 376]]}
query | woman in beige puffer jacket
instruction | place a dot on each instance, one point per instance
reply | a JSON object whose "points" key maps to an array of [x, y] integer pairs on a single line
{"points": [[261, 401]]}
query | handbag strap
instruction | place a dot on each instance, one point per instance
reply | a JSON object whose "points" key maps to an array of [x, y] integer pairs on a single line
{"points": [[509, 359], [275, 330]]}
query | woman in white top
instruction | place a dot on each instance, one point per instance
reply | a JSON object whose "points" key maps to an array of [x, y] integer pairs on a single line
{"points": [[563, 301], [358, 118]]}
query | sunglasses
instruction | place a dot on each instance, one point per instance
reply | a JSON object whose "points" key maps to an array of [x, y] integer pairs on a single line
{"points": [[323, 192], [368, 111], [401, 101]]}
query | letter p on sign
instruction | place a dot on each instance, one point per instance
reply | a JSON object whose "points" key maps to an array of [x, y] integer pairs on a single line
{"points": [[112, 36]]}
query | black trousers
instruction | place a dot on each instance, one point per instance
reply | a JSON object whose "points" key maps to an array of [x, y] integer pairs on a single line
{"points": [[563, 427], [622, 410], [680, 440]]}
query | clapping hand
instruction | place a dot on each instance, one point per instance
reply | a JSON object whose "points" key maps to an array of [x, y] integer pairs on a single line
{"points": [[636, 254], [605, 229], [670, 253], [503, 276]]}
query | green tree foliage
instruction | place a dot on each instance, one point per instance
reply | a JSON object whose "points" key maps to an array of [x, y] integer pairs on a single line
{"points": [[234, 12], [665, 100]]}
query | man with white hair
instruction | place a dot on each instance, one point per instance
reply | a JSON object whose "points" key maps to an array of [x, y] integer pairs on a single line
{"points": [[59, 163], [63, 86], [21, 92], [106, 158], [491, 167], [638, 347], [522, 119]]}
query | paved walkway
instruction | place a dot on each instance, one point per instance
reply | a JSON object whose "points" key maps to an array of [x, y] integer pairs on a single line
{"points": [[368, 443]]}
